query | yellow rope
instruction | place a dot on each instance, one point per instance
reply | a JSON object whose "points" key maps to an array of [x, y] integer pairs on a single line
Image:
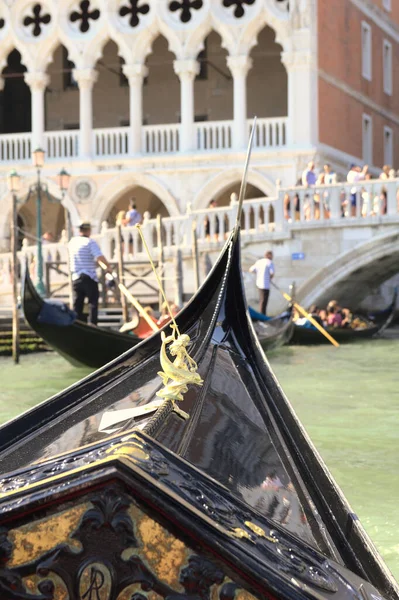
{"points": [[138, 226]]}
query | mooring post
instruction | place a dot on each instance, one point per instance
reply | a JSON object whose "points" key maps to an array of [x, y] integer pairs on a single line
{"points": [[178, 278], [15, 265], [195, 256], [119, 254], [160, 257]]}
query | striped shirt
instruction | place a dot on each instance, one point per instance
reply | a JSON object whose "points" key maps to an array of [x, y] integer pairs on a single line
{"points": [[263, 268], [83, 252]]}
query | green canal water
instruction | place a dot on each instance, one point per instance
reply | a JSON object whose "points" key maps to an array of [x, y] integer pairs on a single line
{"points": [[347, 398]]}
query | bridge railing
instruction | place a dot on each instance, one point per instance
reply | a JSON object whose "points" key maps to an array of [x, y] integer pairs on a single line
{"points": [[367, 199], [341, 204]]}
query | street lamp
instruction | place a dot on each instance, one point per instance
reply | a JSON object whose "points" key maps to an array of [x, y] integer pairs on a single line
{"points": [[38, 163], [13, 182], [63, 180]]}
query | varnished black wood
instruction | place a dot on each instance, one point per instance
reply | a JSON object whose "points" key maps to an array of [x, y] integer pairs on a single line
{"points": [[242, 433], [80, 343]]}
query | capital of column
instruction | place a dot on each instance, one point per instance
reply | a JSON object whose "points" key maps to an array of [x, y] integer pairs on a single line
{"points": [[239, 64], [298, 59], [135, 72], [186, 69], [86, 78], [37, 80]]}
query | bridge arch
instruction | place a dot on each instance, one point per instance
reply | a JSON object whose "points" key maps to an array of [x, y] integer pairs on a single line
{"points": [[354, 274]]}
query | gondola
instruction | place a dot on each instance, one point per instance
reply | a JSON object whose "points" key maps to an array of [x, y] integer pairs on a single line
{"points": [[81, 344], [370, 326], [108, 491], [85, 345], [275, 331]]}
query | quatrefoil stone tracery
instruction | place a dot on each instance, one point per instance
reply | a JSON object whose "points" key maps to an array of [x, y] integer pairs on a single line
{"points": [[239, 10], [185, 6], [134, 10], [37, 20], [84, 15]]}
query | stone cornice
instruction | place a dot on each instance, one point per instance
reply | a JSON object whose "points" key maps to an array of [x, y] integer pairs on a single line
{"points": [[347, 89]]}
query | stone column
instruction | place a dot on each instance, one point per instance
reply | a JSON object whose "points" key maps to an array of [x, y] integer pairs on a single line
{"points": [[302, 98], [135, 74], [187, 70], [239, 67], [37, 81], [86, 78]]}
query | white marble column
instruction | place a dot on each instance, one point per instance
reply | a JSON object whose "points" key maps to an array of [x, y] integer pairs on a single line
{"points": [[85, 78], [135, 74], [187, 70], [37, 81], [302, 98], [239, 67]]}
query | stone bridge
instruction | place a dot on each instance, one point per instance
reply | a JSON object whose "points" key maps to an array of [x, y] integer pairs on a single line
{"points": [[341, 252]]}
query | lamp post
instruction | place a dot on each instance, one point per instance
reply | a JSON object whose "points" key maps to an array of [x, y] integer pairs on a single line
{"points": [[38, 163], [63, 180], [13, 183]]}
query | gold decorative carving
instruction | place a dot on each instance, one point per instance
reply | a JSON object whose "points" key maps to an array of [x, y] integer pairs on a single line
{"points": [[178, 374]]}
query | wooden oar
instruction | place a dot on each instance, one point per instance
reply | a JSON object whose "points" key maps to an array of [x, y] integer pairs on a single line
{"points": [[132, 299], [303, 312]]}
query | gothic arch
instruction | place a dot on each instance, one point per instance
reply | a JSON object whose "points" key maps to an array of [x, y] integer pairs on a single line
{"points": [[115, 188], [221, 182]]}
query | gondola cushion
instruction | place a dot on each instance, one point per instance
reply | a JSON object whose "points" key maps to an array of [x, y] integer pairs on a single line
{"points": [[54, 312]]}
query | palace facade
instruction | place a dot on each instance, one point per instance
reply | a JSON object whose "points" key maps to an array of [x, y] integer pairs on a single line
{"points": [[154, 99]]}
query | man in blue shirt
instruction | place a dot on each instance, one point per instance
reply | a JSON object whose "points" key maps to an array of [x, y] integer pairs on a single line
{"points": [[309, 176], [84, 257]]}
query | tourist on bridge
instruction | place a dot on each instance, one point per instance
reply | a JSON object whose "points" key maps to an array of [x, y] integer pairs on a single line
{"points": [[264, 270], [309, 175], [84, 256], [133, 217]]}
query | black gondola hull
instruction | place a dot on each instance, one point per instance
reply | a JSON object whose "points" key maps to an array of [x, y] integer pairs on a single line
{"points": [[238, 480], [81, 344]]}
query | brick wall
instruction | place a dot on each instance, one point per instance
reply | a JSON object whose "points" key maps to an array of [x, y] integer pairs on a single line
{"points": [[344, 94]]}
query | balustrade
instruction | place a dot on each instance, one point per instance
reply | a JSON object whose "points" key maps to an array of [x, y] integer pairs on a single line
{"points": [[112, 141], [270, 133], [369, 199], [15, 147], [160, 139], [62, 144], [216, 135]]}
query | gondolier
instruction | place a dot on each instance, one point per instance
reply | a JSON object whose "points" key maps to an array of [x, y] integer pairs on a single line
{"points": [[84, 257], [264, 270]]}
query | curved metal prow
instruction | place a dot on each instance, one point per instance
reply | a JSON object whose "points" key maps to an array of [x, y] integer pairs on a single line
{"points": [[244, 177]]}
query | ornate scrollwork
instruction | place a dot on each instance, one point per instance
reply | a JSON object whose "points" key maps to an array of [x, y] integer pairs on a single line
{"points": [[37, 20], [101, 567], [239, 10], [106, 530], [134, 10], [185, 6], [84, 16]]}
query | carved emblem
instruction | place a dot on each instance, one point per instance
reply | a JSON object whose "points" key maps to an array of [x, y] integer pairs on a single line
{"points": [[134, 10], [185, 6], [109, 561], [84, 16], [239, 9], [37, 20]]}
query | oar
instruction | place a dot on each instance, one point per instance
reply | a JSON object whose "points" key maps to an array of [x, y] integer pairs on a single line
{"points": [[131, 299], [303, 312]]}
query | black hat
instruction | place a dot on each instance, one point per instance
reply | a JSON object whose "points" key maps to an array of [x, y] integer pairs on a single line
{"points": [[84, 226]]}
